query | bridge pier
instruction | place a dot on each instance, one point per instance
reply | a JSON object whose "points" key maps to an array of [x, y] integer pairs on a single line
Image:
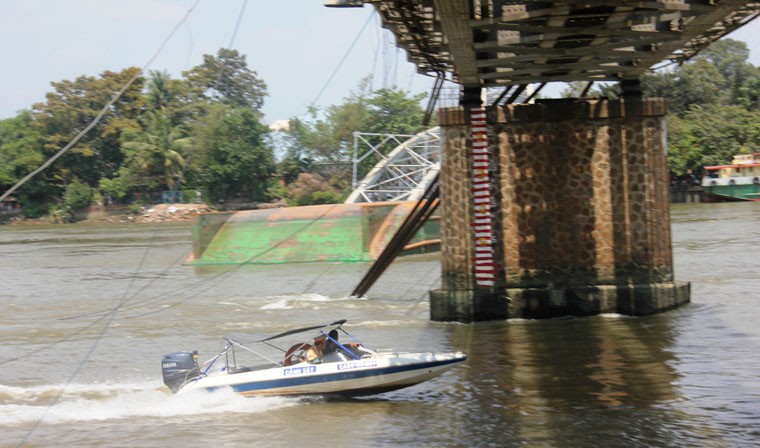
{"points": [[578, 218]]}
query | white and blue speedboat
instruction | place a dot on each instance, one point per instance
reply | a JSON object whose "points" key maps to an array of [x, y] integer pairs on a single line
{"points": [[323, 364]]}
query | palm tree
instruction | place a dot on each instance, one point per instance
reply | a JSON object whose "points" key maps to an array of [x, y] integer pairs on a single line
{"points": [[160, 94], [159, 150]]}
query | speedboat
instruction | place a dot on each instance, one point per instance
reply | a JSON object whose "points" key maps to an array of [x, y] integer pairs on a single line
{"points": [[324, 363]]}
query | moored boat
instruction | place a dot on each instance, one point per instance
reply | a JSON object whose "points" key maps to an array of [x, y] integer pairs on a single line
{"points": [[739, 181], [322, 364]]}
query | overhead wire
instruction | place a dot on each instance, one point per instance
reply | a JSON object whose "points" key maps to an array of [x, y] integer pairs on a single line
{"points": [[176, 188], [103, 111], [245, 262], [126, 298], [111, 316], [237, 25], [342, 60], [194, 286]]}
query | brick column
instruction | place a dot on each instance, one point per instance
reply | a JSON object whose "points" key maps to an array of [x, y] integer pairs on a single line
{"points": [[581, 212]]}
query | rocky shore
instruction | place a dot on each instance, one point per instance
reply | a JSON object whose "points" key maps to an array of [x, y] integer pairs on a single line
{"points": [[153, 213], [146, 214], [157, 213]]}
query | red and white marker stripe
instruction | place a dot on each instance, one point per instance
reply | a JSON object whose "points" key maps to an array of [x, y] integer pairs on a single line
{"points": [[485, 267]]}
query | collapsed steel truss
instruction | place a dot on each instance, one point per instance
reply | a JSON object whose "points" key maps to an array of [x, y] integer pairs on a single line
{"points": [[402, 174]]}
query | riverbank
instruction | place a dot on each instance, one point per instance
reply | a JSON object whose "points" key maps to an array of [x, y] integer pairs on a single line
{"points": [[154, 213], [146, 214], [117, 214]]}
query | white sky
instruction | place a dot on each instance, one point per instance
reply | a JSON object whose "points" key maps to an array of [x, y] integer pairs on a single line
{"points": [[295, 46]]}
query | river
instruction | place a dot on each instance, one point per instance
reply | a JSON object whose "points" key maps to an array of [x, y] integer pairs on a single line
{"points": [[71, 374]]}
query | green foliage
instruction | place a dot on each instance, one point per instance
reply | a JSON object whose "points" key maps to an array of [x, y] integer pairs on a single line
{"points": [[232, 156], [71, 107], [226, 78], [161, 94], [720, 132], [118, 187], [713, 101], [312, 189], [204, 131], [34, 209], [326, 197], [21, 152], [157, 151], [324, 144], [77, 195], [61, 214], [142, 145], [20, 149]]}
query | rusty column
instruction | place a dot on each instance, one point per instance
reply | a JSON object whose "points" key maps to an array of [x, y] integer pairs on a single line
{"points": [[580, 211]]}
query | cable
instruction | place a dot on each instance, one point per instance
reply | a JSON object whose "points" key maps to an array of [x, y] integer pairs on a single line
{"points": [[174, 191], [103, 111], [110, 318], [53, 344], [190, 50], [237, 25], [113, 314], [217, 278], [237, 266], [342, 60]]}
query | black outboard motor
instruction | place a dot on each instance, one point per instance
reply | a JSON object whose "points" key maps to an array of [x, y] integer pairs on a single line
{"points": [[178, 368]]}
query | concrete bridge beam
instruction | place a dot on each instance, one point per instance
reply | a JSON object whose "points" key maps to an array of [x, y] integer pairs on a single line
{"points": [[579, 212]]}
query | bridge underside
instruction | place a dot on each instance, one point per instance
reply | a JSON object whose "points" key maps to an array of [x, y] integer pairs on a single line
{"points": [[488, 43]]}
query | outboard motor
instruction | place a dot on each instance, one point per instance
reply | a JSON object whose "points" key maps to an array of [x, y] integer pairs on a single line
{"points": [[178, 368]]}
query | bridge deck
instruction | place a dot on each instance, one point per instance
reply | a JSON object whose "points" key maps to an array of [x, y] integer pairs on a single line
{"points": [[492, 43]]}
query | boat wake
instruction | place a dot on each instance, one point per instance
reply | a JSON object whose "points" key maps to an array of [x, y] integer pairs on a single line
{"points": [[97, 402]]}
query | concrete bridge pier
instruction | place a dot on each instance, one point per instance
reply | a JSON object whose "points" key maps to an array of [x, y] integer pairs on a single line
{"points": [[553, 209]]}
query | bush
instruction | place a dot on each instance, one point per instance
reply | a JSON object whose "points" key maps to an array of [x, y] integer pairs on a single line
{"points": [[34, 210], [117, 188], [310, 189], [326, 197], [61, 215], [77, 195]]}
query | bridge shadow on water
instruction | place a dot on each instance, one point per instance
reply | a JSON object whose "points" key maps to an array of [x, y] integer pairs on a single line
{"points": [[599, 381]]}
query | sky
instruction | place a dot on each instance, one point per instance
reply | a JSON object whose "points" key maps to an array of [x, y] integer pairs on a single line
{"points": [[305, 52]]}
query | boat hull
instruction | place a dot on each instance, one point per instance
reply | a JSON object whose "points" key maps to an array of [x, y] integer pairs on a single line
{"points": [[731, 189], [364, 376]]}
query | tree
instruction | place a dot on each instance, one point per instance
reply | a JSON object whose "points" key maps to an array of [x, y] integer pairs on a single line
{"points": [[296, 158], [326, 141], [720, 132], [71, 107], [156, 154], [160, 92], [232, 156], [711, 135], [730, 58], [312, 189], [78, 195], [21, 152], [20, 149], [749, 92], [696, 83], [684, 152], [393, 111], [226, 78]]}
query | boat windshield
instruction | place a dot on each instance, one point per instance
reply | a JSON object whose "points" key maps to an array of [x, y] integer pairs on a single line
{"points": [[327, 343]]}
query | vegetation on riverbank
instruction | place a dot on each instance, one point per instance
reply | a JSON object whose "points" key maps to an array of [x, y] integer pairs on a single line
{"points": [[181, 140], [201, 137]]}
